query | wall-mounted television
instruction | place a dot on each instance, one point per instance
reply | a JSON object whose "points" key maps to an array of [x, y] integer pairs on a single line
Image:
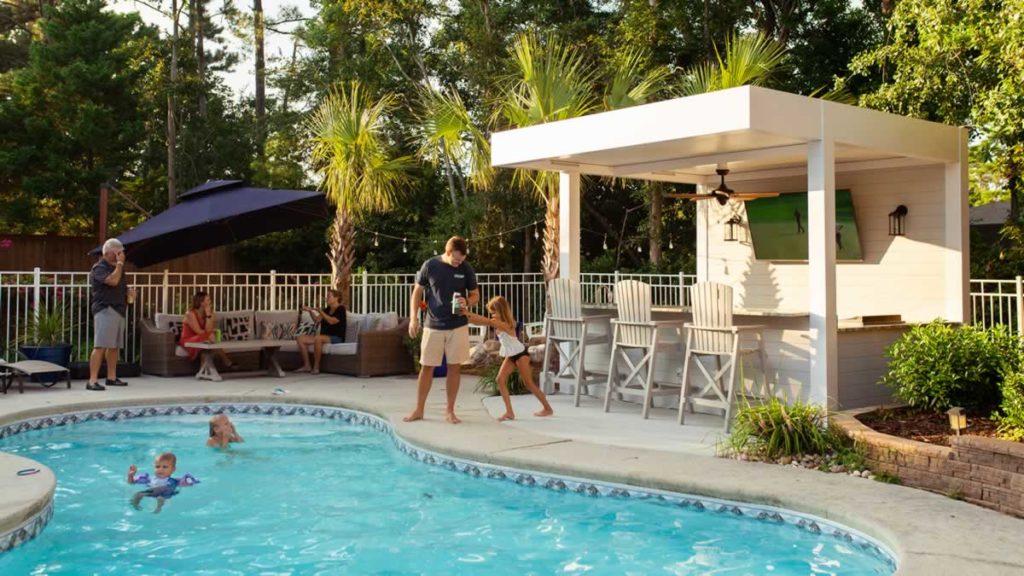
{"points": [[778, 227]]}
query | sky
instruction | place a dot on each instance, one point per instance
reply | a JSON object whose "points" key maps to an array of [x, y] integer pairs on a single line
{"points": [[242, 79]]}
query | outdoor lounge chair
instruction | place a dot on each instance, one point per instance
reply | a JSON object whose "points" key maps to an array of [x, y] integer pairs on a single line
{"points": [[19, 370]]}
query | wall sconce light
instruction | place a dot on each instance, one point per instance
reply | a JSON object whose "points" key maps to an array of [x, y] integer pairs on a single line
{"points": [[732, 227], [957, 419], [898, 221]]}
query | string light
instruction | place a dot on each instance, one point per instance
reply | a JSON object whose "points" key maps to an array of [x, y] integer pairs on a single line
{"points": [[670, 246], [501, 242], [639, 248], [536, 234], [405, 240], [604, 243], [376, 240], [404, 248]]}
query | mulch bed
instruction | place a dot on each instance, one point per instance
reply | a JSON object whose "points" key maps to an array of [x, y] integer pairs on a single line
{"points": [[926, 426]]}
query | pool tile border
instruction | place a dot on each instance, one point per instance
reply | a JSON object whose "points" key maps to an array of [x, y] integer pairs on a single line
{"points": [[555, 482]]}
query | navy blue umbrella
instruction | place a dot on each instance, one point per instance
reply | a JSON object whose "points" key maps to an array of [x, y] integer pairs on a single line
{"points": [[216, 213]]}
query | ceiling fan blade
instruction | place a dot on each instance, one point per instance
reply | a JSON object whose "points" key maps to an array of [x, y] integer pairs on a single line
{"points": [[755, 194], [689, 196]]}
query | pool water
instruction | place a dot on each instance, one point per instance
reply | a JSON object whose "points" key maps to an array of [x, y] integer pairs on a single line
{"points": [[306, 495]]}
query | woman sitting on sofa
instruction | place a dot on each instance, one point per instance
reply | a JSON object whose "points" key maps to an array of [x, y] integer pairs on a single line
{"points": [[332, 331], [199, 326]]}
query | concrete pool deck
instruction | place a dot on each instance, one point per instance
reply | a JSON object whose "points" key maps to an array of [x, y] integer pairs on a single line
{"points": [[929, 533]]}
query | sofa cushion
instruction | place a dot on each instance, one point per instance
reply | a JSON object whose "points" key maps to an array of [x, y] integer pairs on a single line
{"points": [[388, 321], [236, 325], [170, 322], [344, 348]]}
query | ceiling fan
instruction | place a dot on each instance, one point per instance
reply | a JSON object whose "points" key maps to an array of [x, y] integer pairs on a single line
{"points": [[723, 193]]}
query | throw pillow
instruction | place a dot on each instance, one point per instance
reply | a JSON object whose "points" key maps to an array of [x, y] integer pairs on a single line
{"points": [[170, 322], [388, 322], [280, 330], [237, 328], [306, 326]]}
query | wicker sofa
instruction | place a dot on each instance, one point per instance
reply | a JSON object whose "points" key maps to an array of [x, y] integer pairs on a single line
{"points": [[373, 344]]}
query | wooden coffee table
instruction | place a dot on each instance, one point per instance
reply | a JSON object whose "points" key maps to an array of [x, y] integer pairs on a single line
{"points": [[267, 348]]}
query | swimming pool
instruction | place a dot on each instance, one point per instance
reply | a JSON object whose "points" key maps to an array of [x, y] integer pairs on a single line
{"points": [[325, 491]]}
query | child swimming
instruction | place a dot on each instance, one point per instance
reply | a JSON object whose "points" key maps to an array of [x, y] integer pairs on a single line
{"points": [[162, 485], [222, 432]]}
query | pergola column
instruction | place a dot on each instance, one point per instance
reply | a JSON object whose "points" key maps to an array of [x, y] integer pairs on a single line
{"points": [[957, 240], [821, 270], [569, 225]]}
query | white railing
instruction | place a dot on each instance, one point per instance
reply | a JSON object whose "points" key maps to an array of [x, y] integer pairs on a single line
{"points": [[998, 302], [992, 301]]}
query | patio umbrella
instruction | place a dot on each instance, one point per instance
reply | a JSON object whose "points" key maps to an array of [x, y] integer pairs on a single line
{"points": [[216, 213]]}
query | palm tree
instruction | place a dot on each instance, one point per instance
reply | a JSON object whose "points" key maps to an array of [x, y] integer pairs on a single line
{"points": [[552, 81], [749, 60], [351, 154], [449, 136]]}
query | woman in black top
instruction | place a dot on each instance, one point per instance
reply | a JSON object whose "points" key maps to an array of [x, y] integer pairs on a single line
{"points": [[332, 331]]}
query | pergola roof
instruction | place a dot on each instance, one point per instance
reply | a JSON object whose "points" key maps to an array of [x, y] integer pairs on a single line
{"points": [[755, 130]]}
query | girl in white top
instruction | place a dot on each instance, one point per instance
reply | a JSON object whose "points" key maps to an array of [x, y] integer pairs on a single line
{"points": [[514, 353]]}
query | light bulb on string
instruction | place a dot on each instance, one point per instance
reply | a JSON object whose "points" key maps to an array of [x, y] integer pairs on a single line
{"points": [[501, 241], [670, 246], [376, 240], [639, 248], [435, 247], [405, 249], [604, 243], [536, 234]]}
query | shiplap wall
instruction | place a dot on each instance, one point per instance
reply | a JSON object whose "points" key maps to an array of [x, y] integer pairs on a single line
{"points": [[898, 275]]}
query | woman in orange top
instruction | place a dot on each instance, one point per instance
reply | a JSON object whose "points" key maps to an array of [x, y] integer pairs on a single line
{"points": [[199, 327]]}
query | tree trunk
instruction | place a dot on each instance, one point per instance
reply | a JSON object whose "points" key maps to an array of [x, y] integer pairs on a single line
{"points": [[654, 222], [549, 262], [172, 136], [342, 256], [261, 81], [291, 67], [199, 16]]}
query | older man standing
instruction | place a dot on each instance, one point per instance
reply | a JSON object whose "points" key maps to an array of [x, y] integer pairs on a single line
{"points": [[109, 305]]}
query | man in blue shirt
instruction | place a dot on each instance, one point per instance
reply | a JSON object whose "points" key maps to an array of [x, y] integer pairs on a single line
{"points": [[447, 332]]}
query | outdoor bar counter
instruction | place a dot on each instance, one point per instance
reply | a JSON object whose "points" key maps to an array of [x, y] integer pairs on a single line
{"points": [[862, 360]]}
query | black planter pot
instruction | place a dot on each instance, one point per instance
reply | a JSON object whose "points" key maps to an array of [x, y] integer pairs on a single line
{"points": [[59, 354]]}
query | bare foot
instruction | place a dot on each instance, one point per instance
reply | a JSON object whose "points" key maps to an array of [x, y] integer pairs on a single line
{"points": [[452, 418], [315, 371], [506, 416], [544, 412], [302, 369], [413, 416]]}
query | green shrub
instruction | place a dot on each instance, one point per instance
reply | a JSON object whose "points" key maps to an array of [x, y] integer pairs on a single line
{"points": [[775, 429], [1011, 411], [936, 366], [488, 382]]}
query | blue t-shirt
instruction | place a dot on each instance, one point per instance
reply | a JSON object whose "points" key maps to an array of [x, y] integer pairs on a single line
{"points": [[441, 281]]}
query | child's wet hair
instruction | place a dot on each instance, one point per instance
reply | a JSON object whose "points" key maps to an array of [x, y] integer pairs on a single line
{"points": [[168, 457]]}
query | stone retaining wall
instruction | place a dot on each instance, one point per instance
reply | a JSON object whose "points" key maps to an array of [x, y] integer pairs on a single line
{"points": [[984, 471]]}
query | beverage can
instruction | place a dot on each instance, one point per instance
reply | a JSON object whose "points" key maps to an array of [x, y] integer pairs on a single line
{"points": [[217, 335], [455, 303]]}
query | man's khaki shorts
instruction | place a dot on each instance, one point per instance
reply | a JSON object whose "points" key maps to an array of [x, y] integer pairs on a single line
{"points": [[454, 344]]}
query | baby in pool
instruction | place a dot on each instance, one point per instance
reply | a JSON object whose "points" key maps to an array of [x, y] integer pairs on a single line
{"points": [[162, 485]]}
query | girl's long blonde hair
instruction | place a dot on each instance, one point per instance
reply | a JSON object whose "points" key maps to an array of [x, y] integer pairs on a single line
{"points": [[498, 305]]}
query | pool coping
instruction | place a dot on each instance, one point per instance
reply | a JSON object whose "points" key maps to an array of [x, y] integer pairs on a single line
{"points": [[530, 478], [929, 534]]}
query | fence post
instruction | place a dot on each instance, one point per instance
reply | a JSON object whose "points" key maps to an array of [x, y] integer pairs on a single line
{"points": [[36, 286], [165, 292], [273, 290], [366, 293], [615, 284], [1020, 307], [682, 289]]}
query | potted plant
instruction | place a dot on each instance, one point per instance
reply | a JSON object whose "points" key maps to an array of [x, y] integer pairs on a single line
{"points": [[45, 337]]}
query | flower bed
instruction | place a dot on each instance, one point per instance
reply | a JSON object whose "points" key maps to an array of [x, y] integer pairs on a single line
{"points": [[984, 471]]}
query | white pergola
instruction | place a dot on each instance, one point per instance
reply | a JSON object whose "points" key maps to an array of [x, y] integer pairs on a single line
{"points": [[761, 134]]}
